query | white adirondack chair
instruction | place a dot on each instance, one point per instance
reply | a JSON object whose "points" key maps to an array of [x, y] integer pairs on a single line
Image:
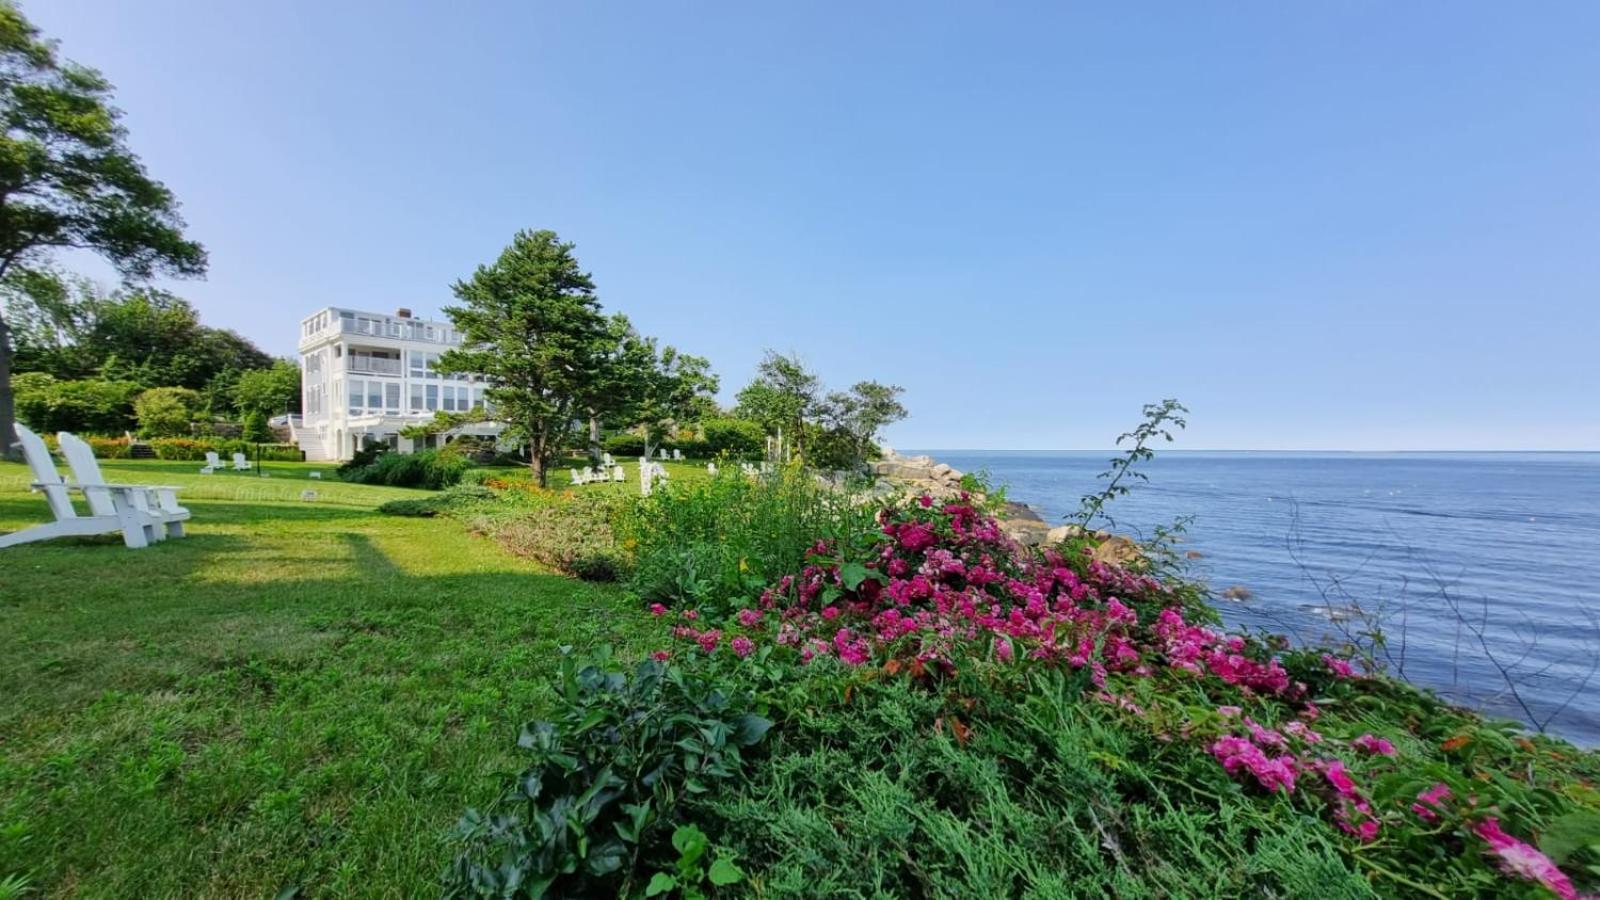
{"points": [[607, 460], [156, 502], [241, 463], [677, 455], [575, 478], [136, 532], [711, 469], [661, 453], [618, 475], [213, 463]]}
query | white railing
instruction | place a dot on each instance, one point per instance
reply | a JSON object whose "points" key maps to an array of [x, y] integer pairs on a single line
{"points": [[372, 365]]}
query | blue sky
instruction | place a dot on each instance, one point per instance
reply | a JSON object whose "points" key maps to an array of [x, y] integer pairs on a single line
{"points": [[1354, 225]]}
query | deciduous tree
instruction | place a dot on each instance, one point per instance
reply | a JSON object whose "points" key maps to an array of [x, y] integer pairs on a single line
{"points": [[69, 181]]}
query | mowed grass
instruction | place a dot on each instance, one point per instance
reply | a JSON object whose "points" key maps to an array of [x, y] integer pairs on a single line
{"points": [[301, 694]]}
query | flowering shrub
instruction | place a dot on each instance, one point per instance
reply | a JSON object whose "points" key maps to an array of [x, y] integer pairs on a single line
{"points": [[940, 591]]}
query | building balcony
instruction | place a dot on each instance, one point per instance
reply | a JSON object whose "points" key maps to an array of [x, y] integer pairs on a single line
{"points": [[372, 365]]}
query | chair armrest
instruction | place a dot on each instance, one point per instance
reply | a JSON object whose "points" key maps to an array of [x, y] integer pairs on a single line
{"points": [[125, 487]]}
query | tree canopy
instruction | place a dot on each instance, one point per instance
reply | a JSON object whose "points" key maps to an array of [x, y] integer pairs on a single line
{"points": [[532, 326], [69, 181]]}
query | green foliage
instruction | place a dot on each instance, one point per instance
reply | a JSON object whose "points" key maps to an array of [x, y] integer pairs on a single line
{"points": [[253, 427], [672, 388], [423, 469], [195, 449], [532, 325], [166, 411], [454, 499], [568, 532], [1159, 420], [268, 391], [690, 872], [739, 438], [607, 773], [48, 405], [716, 543], [784, 395], [854, 419], [70, 181]]}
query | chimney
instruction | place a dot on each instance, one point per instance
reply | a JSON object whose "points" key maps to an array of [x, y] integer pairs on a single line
{"points": [[402, 313]]}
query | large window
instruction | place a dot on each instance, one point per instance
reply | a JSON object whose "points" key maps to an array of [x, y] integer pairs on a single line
{"points": [[433, 397], [374, 395], [356, 397], [391, 397], [416, 398]]}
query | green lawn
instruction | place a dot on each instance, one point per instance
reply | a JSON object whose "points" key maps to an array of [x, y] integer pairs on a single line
{"points": [[300, 693]]}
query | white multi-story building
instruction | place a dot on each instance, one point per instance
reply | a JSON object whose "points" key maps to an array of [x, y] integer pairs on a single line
{"points": [[365, 376]]}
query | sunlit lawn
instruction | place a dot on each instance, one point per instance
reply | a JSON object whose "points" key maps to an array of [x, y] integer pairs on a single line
{"points": [[302, 693]]}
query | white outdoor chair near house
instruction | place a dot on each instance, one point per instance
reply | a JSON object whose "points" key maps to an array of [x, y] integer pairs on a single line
{"points": [[157, 502], [711, 469], [618, 475], [136, 532], [677, 455], [213, 463], [241, 463], [607, 460], [661, 453], [574, 477]]}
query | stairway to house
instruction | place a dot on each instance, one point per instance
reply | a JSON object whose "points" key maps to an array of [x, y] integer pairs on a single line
{"points": [[310, 443], [141, 451]]}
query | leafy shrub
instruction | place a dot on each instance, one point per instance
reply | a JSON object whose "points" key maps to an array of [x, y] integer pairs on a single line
{"points": [[253, 427], [571, 533], [419, 507], [631, 446], [451, 499], [363, 459], [47, 405], [167, 411], [606, 774], [422, 469], [721, 541], [104, 447], [740, 438]]}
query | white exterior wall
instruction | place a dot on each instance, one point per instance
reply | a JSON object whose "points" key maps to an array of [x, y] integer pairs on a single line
{"points": [[365, 376]]}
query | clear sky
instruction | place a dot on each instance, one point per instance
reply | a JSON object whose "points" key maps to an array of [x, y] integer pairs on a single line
{"points": [[1358, 225]]}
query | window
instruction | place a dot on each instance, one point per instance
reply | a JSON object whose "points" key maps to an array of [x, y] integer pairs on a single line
{"points": [[356, 397], [391, 397], [477, 398], [374, 395], [416, 398], [433, 397]]}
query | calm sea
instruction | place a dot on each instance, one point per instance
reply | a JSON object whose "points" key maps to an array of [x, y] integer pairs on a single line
{"points": [[1442, 545]]}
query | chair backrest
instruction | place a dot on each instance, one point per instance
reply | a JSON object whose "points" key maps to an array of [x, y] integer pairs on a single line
{"points": [[86, 471], [212, 459], [239, 460], [44, 472], [573, 473]]}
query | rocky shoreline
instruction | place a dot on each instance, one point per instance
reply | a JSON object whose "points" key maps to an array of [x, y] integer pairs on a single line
{"points": [[1021, 522]]}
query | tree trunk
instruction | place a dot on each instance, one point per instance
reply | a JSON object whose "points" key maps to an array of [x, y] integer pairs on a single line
{"points": [[594, 438], [8, 433], [536, 457]]}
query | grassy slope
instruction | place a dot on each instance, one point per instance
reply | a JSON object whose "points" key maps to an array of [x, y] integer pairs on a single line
{"points": [[300, 693]]}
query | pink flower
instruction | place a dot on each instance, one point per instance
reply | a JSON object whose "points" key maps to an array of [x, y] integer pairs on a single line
{"points": [[749, 617], [1339, 667], [691, 614], [661, 656], [830, 612], [708, 640], [657, 609], [1003, 650], [1237, 753], [743, 646], [1524, 860], [925, 500], [1228, 712], [1297, 729], [1433, 797], [1373, 745]]}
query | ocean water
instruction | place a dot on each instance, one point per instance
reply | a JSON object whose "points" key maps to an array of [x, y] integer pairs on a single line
{"points": [[1440, 545]]}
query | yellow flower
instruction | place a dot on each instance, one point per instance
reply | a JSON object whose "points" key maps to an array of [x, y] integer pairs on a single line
{"points": [[744, 564]]}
